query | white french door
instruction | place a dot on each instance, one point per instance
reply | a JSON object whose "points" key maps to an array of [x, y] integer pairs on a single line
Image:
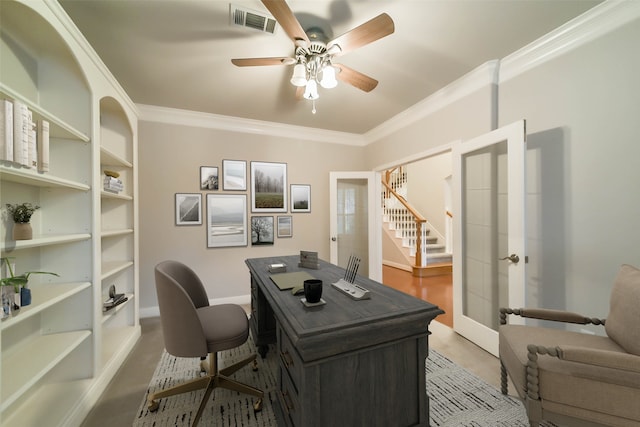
{"points": [[355, 221], [489, 253]]}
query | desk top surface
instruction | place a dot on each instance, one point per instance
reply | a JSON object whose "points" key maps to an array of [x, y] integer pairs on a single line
{"points": [[388, 311]]}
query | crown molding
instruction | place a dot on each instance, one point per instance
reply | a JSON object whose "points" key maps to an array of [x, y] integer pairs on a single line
{"points": [[594, 23], [152, 113], [482, 76]]}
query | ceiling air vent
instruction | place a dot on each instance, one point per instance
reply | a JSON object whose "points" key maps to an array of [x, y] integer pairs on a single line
{"points": [[251, 19]]}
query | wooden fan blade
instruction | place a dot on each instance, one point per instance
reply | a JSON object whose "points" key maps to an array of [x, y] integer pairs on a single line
{"points": [[251, 62], [372, 30], [355, 78], [287, 20], [299, 93]]}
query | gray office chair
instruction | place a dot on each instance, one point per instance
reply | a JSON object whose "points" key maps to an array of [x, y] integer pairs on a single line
{"points": [[193, 328]]}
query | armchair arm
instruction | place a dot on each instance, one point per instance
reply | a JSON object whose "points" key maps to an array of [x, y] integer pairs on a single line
{"points": [[548, 314], [628, 363], [603, 358]]}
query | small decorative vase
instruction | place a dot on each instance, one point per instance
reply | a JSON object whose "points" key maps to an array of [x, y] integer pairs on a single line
{"points": [[6, 294], [22, 231], [25, 296]]}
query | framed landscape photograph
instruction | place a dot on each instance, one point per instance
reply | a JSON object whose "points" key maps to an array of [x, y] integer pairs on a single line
{"points": [[300, 198], [226, 220], [268, 187], [285, 226], [261, 230], [188, 209], [234, 175], [208, 178]]}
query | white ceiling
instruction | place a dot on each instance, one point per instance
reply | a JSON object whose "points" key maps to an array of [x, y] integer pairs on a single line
{"points": [[178, 53]]}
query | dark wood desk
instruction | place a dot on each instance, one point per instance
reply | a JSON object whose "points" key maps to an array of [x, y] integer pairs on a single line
{"points": [[348, 362]]}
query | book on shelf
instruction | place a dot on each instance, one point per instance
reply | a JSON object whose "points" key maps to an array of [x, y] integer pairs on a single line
{"points": [[6, 130], [112, 185], [21, 126], [43, 146], [32, 147]]}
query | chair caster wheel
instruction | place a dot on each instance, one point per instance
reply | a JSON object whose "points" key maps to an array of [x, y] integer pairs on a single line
{"points": [[254, 365], [257, 407], [153, 405]]}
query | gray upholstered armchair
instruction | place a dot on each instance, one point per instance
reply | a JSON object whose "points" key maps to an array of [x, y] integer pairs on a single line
{"points": [[193, 328], [573, 378]]}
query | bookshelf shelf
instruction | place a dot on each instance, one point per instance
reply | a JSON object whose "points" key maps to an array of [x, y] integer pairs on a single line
{"points": [[31, 177], [112, 268], [45, 296], [25, 366], [39, 241], [115, 196], [106, 315], [108, 158]]}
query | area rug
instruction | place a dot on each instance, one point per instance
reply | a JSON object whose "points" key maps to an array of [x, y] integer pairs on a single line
{"points": [[458, 398]]}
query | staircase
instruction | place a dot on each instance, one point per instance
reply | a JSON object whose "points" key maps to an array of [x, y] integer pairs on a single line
{"points": [[410, 231]]}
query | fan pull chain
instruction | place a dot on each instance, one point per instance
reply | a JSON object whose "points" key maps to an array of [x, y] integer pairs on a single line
{"points": [[313, 106]]}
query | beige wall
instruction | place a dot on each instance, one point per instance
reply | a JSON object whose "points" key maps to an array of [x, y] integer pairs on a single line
{"points": [[170, 157]]}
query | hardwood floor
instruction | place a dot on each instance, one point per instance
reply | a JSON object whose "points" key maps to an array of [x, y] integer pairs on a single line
{"points": [[436, 290]]}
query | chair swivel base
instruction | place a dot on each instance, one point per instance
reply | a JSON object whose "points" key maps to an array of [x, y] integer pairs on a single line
{"points": [[214, 379]]}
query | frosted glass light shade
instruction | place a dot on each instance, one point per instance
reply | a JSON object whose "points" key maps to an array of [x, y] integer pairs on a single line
{"points": [[299, 77], [311, 91], [328, 77]]}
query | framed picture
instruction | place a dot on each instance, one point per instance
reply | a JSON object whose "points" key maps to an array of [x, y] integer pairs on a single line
{"points": [[300, 198], [285, 226], [234, 175], [261, 230], [268, 187], [188, 209], [208, 178], [226, 220]]}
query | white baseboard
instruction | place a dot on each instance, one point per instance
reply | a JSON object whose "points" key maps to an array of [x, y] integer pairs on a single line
{"points": [[397, 265]]}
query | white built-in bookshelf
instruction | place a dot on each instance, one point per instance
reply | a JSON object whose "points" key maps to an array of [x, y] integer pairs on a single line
{"points": [[58, 354]]}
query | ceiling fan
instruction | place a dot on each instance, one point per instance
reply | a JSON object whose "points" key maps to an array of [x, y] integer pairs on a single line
{"points": [[314, 54]]}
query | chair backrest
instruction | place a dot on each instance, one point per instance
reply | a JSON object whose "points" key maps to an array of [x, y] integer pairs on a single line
{"points": [[622, 324], [180, 293]]}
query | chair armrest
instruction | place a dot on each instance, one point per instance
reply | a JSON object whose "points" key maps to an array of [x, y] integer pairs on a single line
{"points": [[603, 358], [548, 314], [625, 362]]}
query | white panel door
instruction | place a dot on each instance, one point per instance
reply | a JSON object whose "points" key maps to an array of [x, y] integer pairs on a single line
{"points": [[356, 221], [489, 231]]}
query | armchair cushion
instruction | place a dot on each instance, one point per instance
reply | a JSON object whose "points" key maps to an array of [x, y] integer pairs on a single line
{"points": [[624, 313], [513, 349], [566, 385]]}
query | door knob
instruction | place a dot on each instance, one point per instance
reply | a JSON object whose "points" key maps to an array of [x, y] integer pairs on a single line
{"points": [[333, 239], [513, 258]]}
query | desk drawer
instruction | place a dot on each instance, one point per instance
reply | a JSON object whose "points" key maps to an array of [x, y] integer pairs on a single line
{"points": [[288, 398], [289, 359]]}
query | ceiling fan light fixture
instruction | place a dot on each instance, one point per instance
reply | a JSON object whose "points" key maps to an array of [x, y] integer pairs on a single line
{"points": [[299, 77], [328, 77], [311, 91]]}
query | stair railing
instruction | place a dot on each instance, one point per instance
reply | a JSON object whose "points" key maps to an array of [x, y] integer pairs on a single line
{"points": [[418, 219]]}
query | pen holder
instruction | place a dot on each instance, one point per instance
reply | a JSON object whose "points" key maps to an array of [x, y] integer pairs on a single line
{"points": [[313, 290]]}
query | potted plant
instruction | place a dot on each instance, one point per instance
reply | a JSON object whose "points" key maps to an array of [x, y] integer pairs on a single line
{"points": [[20, 283], [21, 215]]}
